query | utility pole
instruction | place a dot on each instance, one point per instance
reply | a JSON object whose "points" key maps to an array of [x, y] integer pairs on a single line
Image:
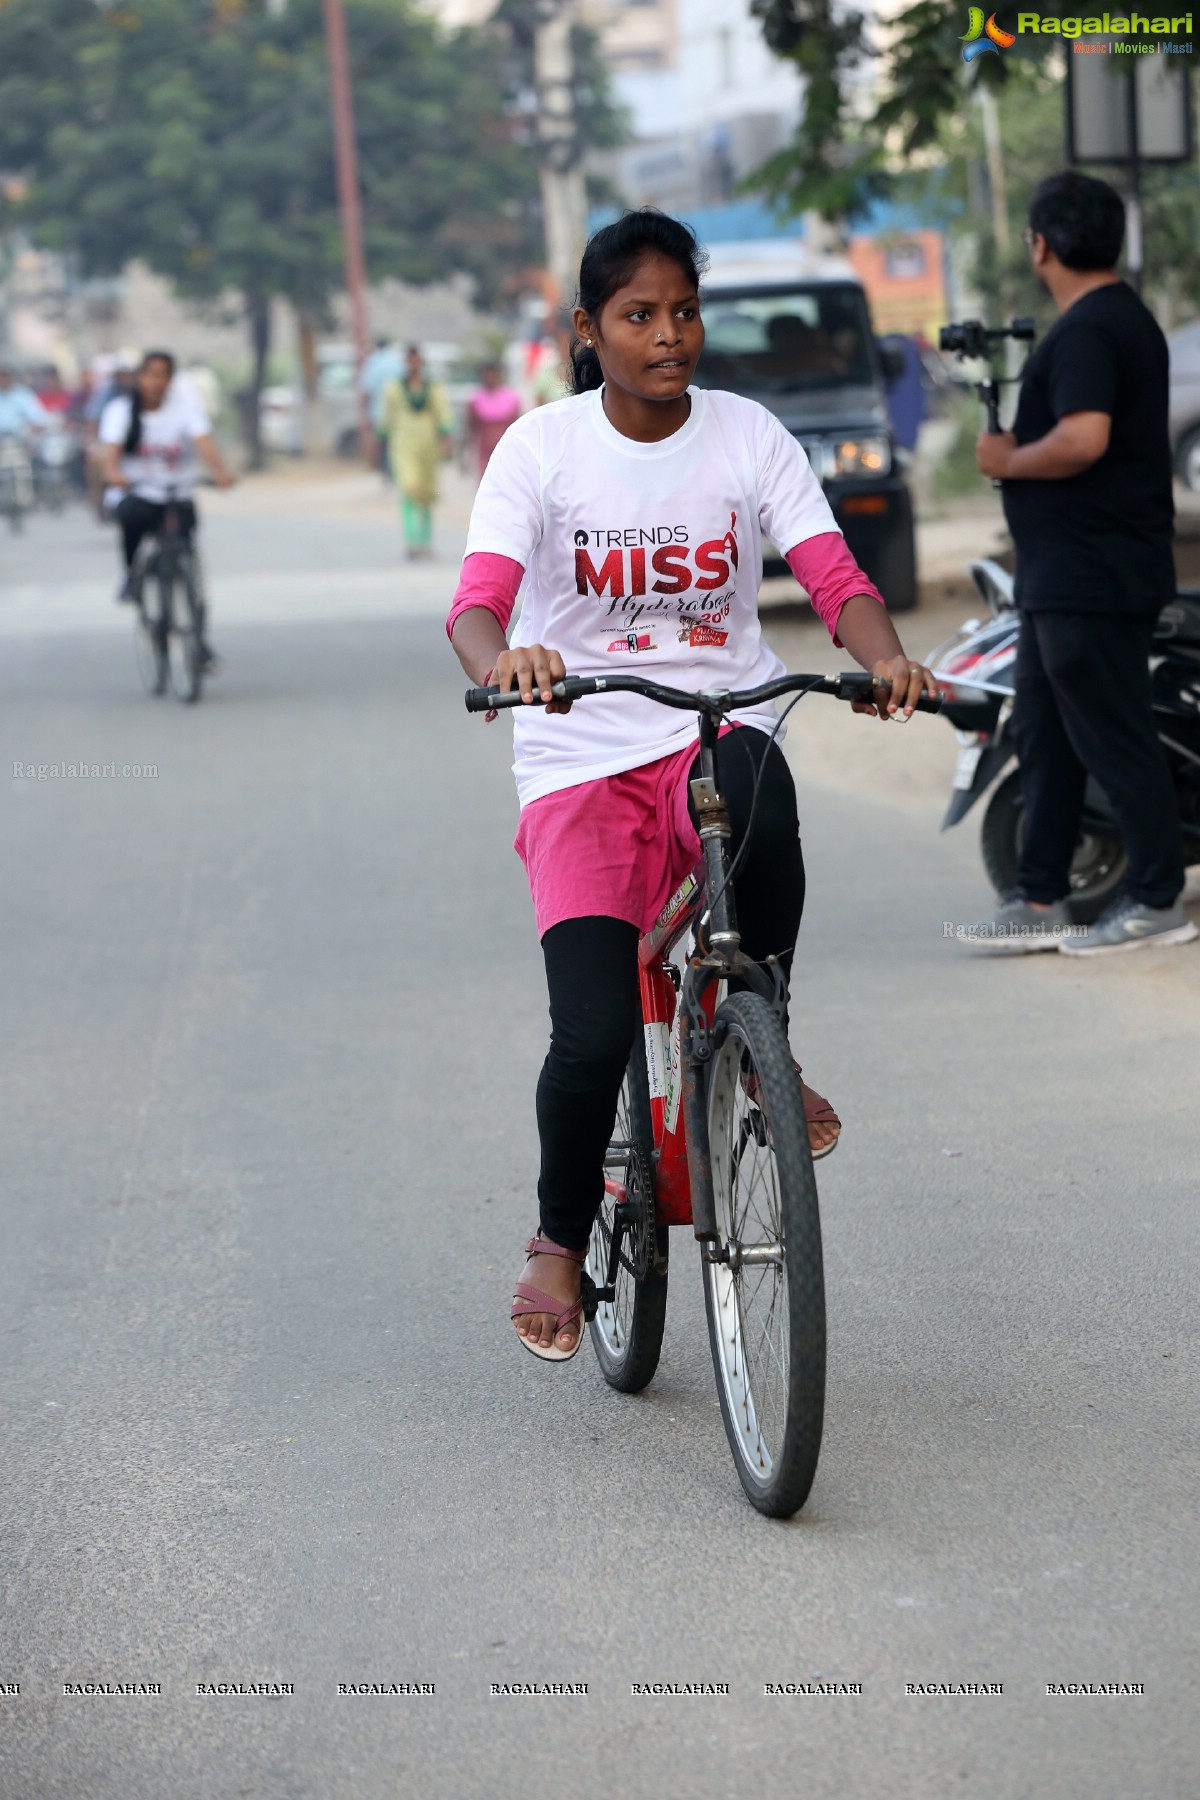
{"points": [[345, 151], [564, 202]]}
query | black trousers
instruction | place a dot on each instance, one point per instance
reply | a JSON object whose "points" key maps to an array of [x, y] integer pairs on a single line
{"points": [[1083, 708], [138, 517], [595, 1007]]}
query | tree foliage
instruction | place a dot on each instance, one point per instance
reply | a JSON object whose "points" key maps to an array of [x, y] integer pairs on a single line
{"points": [[195, 134], [920, 106], [829, 166]]}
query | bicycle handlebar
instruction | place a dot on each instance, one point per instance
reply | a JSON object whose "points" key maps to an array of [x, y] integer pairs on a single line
{"points": [[853, 685]]}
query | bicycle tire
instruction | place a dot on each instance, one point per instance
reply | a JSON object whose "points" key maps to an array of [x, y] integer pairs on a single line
{"points": [[773, 1418], [183, 631], [627, 1332], [149, 644]]}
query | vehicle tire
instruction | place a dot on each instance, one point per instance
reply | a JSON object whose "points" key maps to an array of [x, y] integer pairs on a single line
{"points": [[1097, 869], [177, 588], [773, 1393], [1187, 460], [893, 567], [627, 1332], [150, 641]]}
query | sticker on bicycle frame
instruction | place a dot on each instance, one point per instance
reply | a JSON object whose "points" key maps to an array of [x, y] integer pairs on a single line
{"points": [[677, 902], [674, 1081], [656, 1057], [633, 642]]}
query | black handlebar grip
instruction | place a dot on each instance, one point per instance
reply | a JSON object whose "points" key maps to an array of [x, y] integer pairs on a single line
{"points": [[490, 699]]}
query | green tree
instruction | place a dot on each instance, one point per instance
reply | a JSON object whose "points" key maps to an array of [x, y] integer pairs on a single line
{"points": [[195, 135], [921, 129]]}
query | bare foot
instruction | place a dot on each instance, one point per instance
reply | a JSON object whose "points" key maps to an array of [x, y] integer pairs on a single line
{"points": [[558, 1276]]}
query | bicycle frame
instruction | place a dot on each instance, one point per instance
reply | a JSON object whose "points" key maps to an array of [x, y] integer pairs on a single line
{"points": [[678, 1011]]}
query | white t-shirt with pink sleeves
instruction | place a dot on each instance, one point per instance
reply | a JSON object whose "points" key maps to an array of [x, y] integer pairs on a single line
{"points": [[645, 558]]}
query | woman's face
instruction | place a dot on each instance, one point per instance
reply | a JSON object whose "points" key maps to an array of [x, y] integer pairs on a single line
{"points": [[649, 334], [416, 368], [153, 379]]}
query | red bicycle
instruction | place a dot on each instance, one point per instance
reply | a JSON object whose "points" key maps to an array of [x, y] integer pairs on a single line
{"points": [[710, 1132]]}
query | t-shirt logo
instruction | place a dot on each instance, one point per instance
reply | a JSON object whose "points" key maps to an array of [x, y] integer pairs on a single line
{"points": [[657, 560]]}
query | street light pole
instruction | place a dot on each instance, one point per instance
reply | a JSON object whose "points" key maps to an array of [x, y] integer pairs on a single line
{"points": [[345, 151]]}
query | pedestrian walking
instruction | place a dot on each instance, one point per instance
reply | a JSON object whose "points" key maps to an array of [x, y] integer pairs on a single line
{"points": [[1086, 476], [420, 431], [490, 411], [383, 366]]}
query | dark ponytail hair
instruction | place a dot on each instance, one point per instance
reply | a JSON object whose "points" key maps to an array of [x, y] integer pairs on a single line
{"points": [[133, 437], [611, 256]]}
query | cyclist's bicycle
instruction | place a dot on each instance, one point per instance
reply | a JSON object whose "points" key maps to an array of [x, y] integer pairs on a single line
{"points": [[710, 1132], [16, 481], [169, 630]]}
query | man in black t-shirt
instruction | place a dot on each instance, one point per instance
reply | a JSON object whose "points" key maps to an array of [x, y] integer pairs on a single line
{"points": [[1087, 494]]}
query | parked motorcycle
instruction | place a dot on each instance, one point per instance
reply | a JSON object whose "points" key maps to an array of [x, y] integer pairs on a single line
{"points": [[976, 672]]}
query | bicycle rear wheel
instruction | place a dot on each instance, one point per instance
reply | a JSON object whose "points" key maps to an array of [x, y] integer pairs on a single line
{"points": [[150, 640], [627, 1331], [766, 1301], [177, 586]]}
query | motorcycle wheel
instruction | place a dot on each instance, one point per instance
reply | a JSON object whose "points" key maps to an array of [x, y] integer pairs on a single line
{"points": [[1097, 868]]}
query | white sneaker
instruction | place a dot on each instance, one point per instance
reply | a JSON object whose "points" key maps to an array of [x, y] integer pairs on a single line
{"points": [[1016, 928], [1128, 925]]}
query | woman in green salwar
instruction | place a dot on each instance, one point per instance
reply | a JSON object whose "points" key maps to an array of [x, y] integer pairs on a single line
{"points": [[420, 432]]}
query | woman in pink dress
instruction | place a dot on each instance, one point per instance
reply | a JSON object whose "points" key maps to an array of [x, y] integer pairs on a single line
{"points": [[490, 411]]}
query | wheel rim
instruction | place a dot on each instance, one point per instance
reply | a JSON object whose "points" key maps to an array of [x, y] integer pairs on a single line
{"points": [[1098, 862], [750, 1297], [1095, 863], [613, 1323]]}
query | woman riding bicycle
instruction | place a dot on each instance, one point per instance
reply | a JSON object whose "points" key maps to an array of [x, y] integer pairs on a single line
{"points": [[632, 516], [152, 438]]}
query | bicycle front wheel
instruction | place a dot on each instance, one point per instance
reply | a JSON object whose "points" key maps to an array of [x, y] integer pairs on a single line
{"points": [[765, 1299], [150, 640], [178, 592], [627, 1331]]}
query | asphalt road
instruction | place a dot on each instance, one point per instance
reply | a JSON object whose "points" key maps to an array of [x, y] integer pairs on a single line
{"points": [[270, 1020]]}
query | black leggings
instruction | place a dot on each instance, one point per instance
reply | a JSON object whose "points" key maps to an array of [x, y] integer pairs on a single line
{"points": [[595, 1008], [137, 517]]}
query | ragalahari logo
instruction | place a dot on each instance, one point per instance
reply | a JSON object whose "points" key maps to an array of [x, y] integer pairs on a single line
{"points": [[983, 37]]}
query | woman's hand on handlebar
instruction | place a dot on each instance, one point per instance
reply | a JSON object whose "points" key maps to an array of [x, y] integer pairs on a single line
{"points": [[533, 669], [907, 681]]}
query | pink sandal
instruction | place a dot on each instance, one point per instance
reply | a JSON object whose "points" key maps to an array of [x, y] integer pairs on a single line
{"points": [[817, 1111], [528, 1300]]}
